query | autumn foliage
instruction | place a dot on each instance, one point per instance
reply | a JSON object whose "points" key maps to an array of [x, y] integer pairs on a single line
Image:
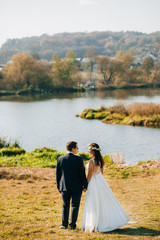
{"points": [[30, 72]]}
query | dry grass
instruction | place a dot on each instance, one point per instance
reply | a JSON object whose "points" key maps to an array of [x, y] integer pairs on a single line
{"points": [[31, 208], [141, 109], [120, 108], [144, 109], [24, 173]]}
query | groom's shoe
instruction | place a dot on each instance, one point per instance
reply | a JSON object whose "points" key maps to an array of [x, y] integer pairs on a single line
{"points": [[71, 228], [62, 227]]}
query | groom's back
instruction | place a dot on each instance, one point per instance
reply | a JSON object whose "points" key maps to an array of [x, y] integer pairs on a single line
{"points": [[70, 167]]}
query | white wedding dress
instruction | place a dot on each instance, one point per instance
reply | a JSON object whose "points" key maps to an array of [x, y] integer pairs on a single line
{"points": [[102, 211]]}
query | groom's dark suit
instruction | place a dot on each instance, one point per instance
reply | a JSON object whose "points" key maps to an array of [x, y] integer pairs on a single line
{"points": [[71, 180]]}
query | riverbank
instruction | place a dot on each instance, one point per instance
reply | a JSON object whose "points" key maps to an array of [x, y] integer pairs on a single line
{"points": [[62, 89], [30, 205], [137, 114], [26, 92]]}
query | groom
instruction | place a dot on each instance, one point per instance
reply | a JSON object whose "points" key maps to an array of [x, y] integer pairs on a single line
{"points": [[71, 180]]}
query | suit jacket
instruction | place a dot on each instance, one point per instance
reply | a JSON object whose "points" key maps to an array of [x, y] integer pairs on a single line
{"points": [[70, 173]]}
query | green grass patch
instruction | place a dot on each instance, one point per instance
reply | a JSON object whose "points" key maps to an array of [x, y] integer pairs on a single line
{"points": [[44, 157], [40, 157]]}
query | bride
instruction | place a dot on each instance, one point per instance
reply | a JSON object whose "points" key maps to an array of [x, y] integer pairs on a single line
{"points": [[102, 211]]}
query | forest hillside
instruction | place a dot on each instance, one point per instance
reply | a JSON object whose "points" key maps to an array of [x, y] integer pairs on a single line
{"points": [[103, 43]]}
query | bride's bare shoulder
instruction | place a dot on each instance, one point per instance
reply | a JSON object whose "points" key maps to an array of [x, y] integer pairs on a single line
{"points": [[91, 162]]}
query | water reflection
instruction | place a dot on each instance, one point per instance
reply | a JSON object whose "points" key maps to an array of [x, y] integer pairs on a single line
{"points": [[120, 94]]}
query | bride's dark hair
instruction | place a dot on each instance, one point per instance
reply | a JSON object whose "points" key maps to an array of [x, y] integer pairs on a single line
{"points": [[97, 154]]}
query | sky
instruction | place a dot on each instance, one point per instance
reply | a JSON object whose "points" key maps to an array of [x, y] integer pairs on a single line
{"points": [[26, 18]]}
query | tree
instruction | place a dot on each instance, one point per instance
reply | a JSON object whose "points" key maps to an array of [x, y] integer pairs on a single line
{"points": [[107, 68], [24, 71], [91, 58], [113, 70], [71, 56], [125, 60], [1, 76], [1, 80], [5, 55], [64, 70], [155, 76], [35, 56], [130, 76], [17, 73], [147, 66]]}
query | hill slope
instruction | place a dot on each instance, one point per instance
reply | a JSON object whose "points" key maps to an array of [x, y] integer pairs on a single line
{"points": [[104, 43]]}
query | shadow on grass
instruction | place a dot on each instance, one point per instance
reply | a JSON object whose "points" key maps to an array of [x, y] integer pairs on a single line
{"points": [[140, 231]]}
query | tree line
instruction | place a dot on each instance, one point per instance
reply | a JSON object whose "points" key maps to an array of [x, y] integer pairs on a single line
{"points": [[33, 73]]}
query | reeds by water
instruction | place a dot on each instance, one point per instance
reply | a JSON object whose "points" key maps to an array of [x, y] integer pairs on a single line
{"points": [[141, 109], [144, 109]]}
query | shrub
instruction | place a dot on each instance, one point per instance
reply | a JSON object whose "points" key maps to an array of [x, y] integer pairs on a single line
{"points": [[11, 151], [107, 159], [90, 115], [43, 149], [84, 113], [15, 144], [85, 156], [3, 142], [101, 115]]}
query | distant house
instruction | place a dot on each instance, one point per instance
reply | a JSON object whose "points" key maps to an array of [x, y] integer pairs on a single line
{"points": [[85, 60], [152, 55], [135, 64], [10, 61]]}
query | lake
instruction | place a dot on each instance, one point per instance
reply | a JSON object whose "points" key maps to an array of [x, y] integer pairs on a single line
{"points": [[50, 121]]}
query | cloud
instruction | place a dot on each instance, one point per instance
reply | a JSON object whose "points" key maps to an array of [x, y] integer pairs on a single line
{"points": [[88, 2]]}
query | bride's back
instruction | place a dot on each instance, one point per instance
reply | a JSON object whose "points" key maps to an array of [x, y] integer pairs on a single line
{"points": [[93, 169]]}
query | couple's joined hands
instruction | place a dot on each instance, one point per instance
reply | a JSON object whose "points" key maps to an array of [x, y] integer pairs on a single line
{"points": [[83, 190]]}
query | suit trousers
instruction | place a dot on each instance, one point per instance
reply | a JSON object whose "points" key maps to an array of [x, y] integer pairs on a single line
{"points": [[67, 196]]}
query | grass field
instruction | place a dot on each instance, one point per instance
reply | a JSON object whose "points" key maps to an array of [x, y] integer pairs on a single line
{"points": [[30, 205]]}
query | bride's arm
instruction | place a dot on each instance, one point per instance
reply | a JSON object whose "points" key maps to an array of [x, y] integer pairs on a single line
{"points": [[90, 170]]}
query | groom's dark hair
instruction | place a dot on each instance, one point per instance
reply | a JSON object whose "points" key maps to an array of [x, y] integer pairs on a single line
{"points": [[71, 145]]}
